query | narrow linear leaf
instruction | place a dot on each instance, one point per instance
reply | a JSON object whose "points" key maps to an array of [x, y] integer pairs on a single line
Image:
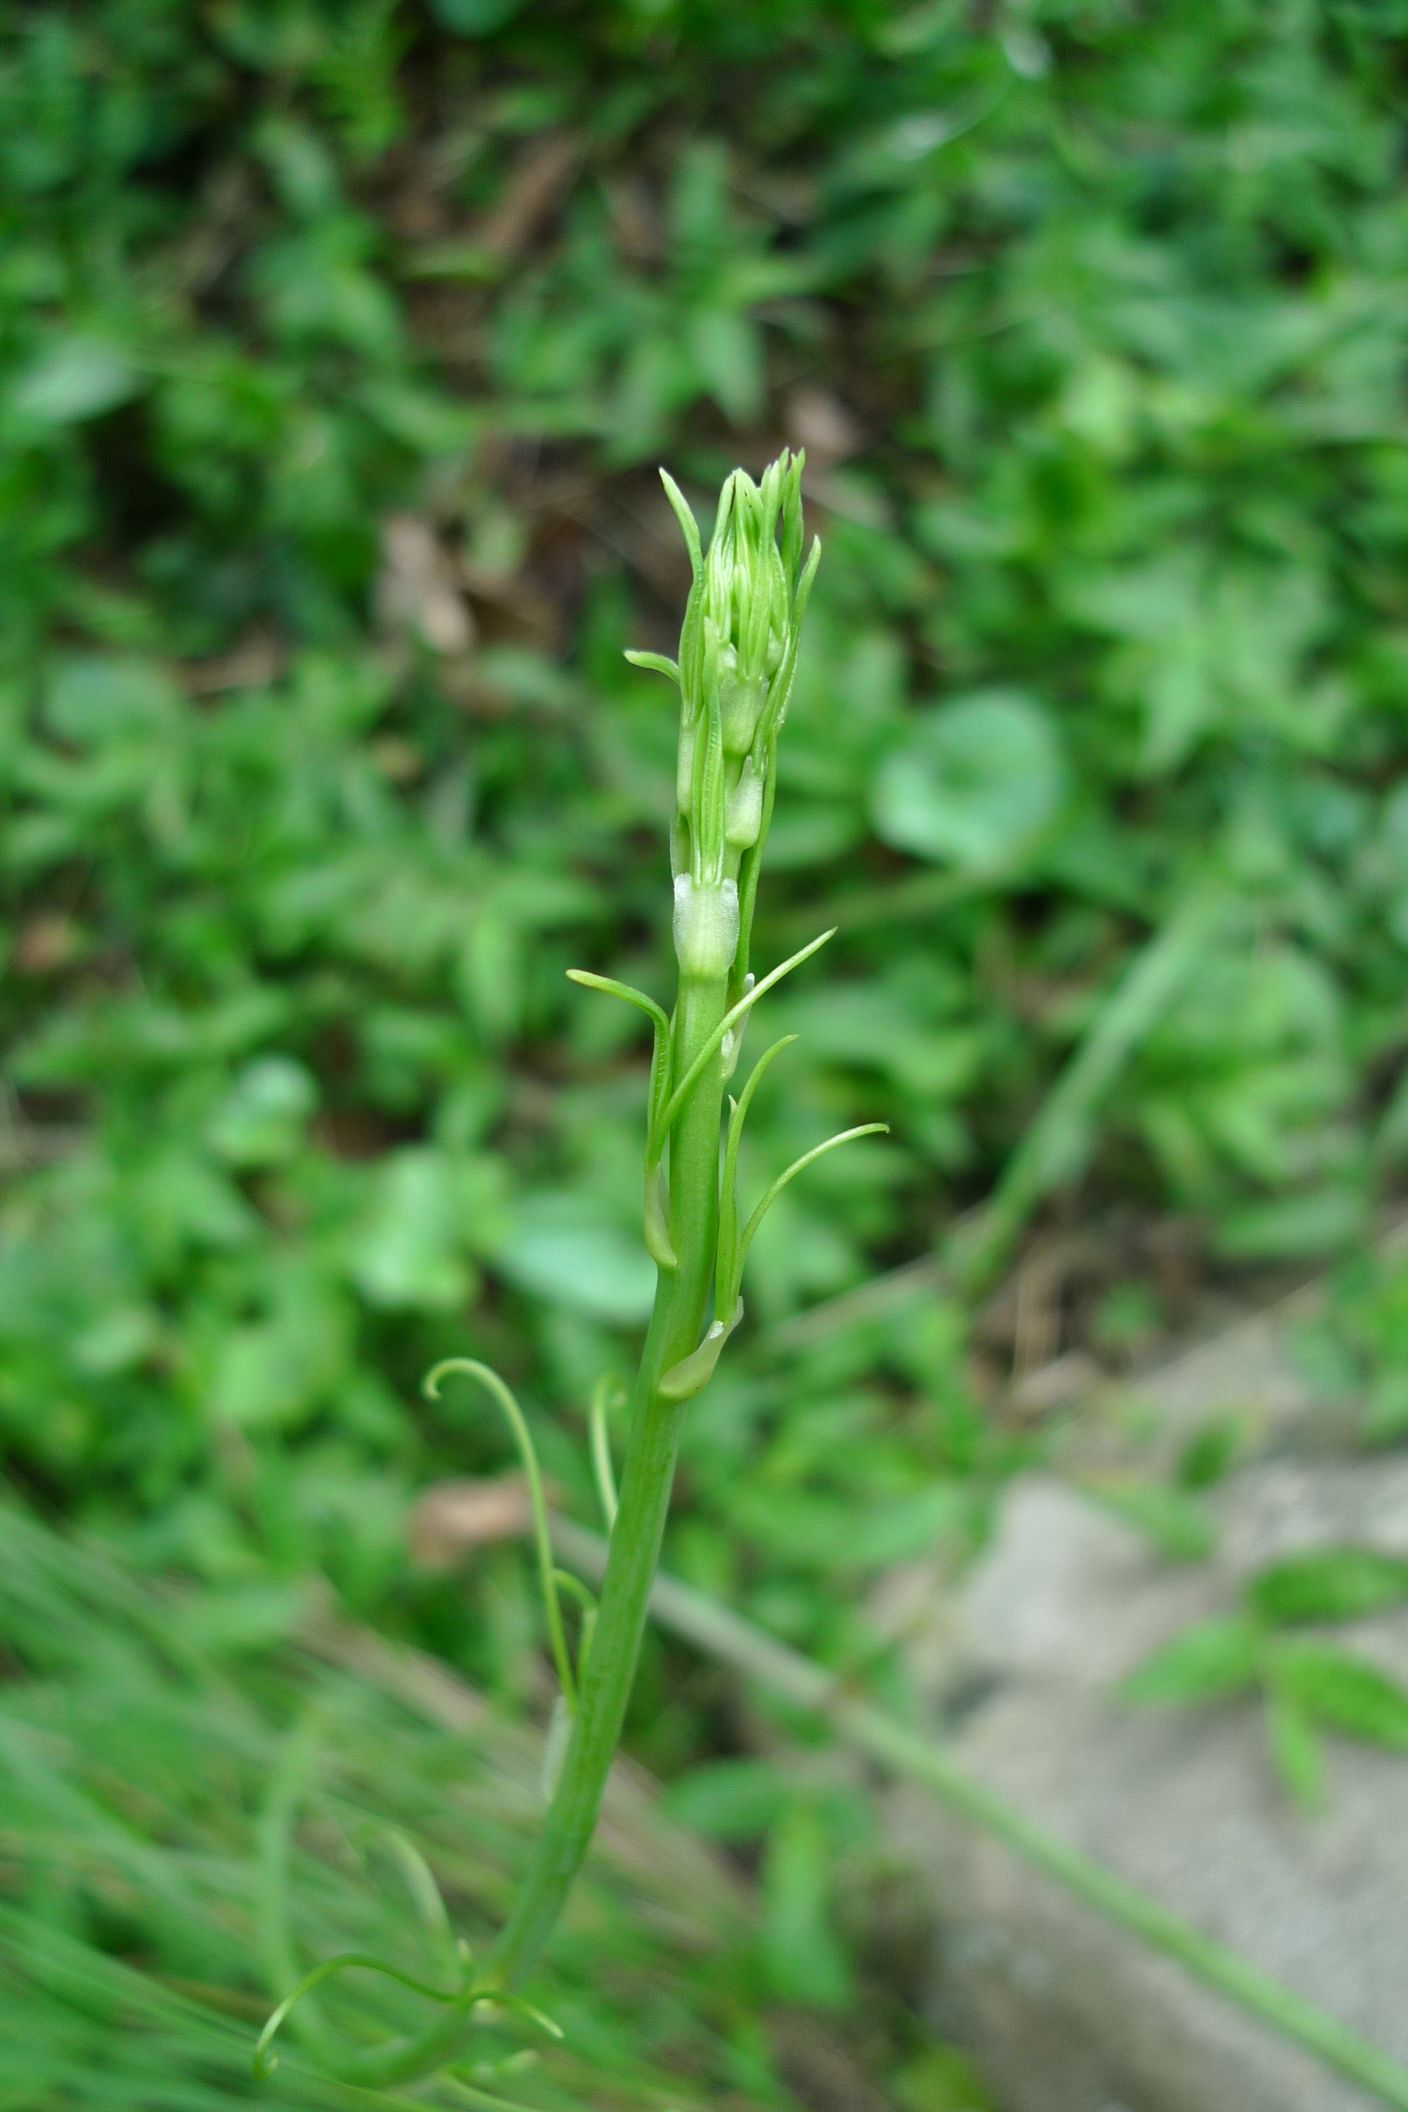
{"points": [[808, 1158], [625, 991], [801, 1954], [425, 1894], [656, 1230], [484, 1375], [265, 2058], [726, 1263], [1057, 1143], [689, 527]]}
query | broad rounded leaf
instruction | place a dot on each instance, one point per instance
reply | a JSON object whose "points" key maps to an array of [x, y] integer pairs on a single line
{"points": [[75, 378], [567, 1249], [408, 1252], [974, 784], [92, 698], [260, 1121]]}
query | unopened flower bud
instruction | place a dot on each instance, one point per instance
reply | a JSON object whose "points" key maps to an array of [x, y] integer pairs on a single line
{"points": [[706, 927], [741, 701], [737, 659], [743, 815]]}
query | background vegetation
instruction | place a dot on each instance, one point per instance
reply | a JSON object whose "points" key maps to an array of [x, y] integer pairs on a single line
{"points": [[338, 345]]}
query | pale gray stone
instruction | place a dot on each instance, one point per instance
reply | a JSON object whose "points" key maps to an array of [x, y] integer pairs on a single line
{"points": [[1066, 2012]]}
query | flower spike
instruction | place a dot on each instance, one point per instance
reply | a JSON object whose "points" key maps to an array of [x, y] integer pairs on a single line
{"points": [[737, 659]]}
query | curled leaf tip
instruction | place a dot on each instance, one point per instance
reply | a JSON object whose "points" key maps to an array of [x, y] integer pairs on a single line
{"points": [[612, 987], [549, 2026], [484, 1375], [266, 2059], [431, 1383], [653, 663]]}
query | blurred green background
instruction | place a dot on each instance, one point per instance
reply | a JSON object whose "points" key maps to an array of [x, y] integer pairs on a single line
{"points": [[338, 348]]}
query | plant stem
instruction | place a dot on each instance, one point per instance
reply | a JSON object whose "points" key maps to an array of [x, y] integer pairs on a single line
{"points": [[681, 1297], [676, 1323]]}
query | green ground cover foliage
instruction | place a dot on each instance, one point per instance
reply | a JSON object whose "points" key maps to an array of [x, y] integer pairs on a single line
{"points": [[338, 346], [169, 1840]]}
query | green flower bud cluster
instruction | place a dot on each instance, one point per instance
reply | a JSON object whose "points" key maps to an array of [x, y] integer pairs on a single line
{"points": [[738, 658]]}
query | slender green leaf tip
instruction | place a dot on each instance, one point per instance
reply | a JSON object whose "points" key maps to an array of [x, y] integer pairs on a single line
{"points": [[485, 1376], [629, 995], [655, 663], [729, 1291]]}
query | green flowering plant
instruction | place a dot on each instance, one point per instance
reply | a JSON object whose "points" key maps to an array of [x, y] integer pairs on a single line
{"points": [[735, 672]]}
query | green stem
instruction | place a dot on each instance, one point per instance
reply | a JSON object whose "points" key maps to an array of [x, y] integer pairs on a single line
{"points": [[676, 1323]]}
